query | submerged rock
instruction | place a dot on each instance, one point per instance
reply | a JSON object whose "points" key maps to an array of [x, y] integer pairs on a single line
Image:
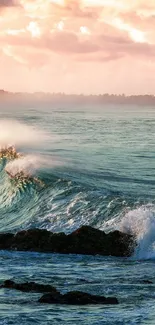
{"points": [[86, 240], [147, 282], [29, 287], [53, 296], [77, 298]]}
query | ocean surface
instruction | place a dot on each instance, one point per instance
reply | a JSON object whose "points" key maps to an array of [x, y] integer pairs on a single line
{"points": [[97, 167]]}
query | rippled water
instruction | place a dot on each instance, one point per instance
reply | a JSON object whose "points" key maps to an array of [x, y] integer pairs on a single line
{"points": [[104, 276], [97, 166]]}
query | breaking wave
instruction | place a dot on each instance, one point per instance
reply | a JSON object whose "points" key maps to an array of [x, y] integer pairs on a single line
{"points": [[141, 223], [64, 203]]}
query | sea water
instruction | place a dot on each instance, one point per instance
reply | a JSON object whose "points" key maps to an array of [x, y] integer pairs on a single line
{"points": [[97, 165]]}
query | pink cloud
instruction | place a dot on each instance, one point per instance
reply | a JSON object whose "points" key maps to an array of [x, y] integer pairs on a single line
{"points": [[45, 35], [7, 3]]}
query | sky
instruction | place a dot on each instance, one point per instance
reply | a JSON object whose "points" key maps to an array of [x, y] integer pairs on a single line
{"points": [[73, 46]]}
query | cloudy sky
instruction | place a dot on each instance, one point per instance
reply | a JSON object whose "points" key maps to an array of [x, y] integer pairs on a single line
{"points": [[87, 46]]}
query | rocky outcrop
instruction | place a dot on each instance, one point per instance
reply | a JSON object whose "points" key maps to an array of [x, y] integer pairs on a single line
{"points": [[86, 240], [53, 296]]}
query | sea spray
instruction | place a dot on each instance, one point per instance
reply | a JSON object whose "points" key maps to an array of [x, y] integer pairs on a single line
{"points": [[141, 223], [30, 164], [15, 133], [27, 139]]}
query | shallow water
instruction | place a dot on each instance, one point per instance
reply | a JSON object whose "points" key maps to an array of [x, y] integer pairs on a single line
{"points": [[97, 164]]}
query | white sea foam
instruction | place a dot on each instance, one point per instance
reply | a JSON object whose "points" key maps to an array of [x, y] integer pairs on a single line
{"points": [[141, 223]]}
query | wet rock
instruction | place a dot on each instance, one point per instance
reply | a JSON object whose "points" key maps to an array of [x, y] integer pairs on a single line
{"points": [[147, 282], [78, 298], [81, 298], [86, 240], [6, 240], [39, 240], [51, 299], [53, 296], [30, 287]]}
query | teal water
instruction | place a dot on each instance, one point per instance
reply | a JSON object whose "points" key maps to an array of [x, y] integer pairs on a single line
{"points": [[97, 166]]}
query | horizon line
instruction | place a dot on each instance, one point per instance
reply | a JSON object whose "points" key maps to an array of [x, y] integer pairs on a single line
{"points": [[2, 91]]}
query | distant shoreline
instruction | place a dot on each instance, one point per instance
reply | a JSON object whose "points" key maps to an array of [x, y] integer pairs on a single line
{"points": [[48, 98]]}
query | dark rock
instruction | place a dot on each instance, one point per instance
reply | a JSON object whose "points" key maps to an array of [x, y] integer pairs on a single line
{"points": [[6, 240], [30, 287], [81, 298], [78, 298], [85, 240], [39, 240], [147, 282], [90, 241], [50, 298], [53, 296]]}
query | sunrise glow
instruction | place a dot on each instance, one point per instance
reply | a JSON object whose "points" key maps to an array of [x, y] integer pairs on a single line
{"points": [[137, 36], [34, 29], [69, 40], [84, 30]]}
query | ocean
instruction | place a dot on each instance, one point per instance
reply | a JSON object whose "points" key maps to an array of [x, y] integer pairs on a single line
{"points": [[97, 168]]}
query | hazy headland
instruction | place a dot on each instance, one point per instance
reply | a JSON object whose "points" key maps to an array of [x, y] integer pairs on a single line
{"points": [[59, 98]]}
